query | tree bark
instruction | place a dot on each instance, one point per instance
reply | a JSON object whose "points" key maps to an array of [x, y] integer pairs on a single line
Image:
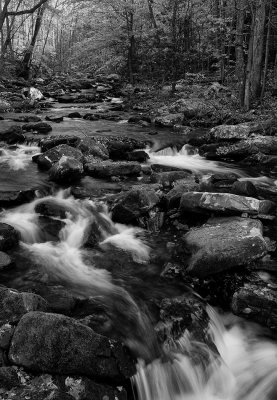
{"points": [[266, 51], [240, 72], [26, 63]]}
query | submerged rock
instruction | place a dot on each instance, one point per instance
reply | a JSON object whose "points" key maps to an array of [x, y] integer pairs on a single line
{"points": [[52, 156], [224, 243], [224, 203], [58, 344], [108, 169], [66, 170], [13, 304]]}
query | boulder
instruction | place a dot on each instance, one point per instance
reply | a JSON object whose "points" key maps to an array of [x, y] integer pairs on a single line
{"points": [[244, 188], [6, 333], [90, 146], [168, 178], [52, 156], [66, 170], [243, 148], [138, 155], [40, 127], [74, 114], [58, 344], [106, 169], [192, 108], [51, 209], [9, 237], [16, 197], [13, 135], [224, 203], [53, 141], [219, 183], [230, 132], [173, 197], [169, 120], [224, 243], [134, 204], [13, 304], [258, 303]]}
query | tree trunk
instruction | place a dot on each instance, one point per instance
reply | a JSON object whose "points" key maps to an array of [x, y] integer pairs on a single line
{"points": [[258, 41], [266, 50], [26, 63], [240, 8], [246, 97]]}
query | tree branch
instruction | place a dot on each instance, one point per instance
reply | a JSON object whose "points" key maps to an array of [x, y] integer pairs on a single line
{"points": [[30, 11]]}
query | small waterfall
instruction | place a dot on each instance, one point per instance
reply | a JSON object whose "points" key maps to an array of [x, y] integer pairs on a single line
{"points": [[189, 159], [66, 260], [19, 157], [244, 369]]}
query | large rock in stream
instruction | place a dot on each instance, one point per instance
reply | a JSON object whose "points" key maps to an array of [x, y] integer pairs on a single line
{"points": [[66, 170], [52, 156], [58, 344], [224, 243], [224, 203], [258, 303], [9, 237], [108, 169]]}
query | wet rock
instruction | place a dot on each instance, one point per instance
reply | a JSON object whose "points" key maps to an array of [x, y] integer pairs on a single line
{"points": [[59, 299], [66, 170], [169, 120], [54, 118], [5, 261], [258, 303], [40, 127], [6, 332], [219, 183], [89, 146], [13, 135], [58, 344], [108, 169], [173, 197], [16, 197], [120, 150], [9, 378], [52, 156], [134, 204], [27, 118], [168, 178], [51, 228], [75, 114], [9, 237], [15, 304], [224, 243], [224, 203], [51, 209], [186, 312], [138, 155], [244, 188], [53, 141]]}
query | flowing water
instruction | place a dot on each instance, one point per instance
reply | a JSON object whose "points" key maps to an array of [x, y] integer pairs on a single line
{"points": [[240, 366]]}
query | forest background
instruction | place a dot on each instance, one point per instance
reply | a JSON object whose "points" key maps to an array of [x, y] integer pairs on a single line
{"points": [[145, 41]]}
